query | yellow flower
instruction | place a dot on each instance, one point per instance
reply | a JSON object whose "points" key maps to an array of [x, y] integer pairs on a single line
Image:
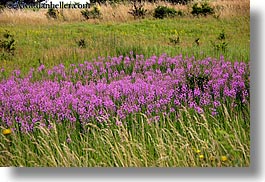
{"points": [[6, 131], [198, 151], [201, 156], [97, 6], [223, 158]]}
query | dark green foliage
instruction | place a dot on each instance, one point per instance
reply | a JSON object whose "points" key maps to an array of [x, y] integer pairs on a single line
{"points": [[197, 81], [164, 12], [52, 13], [138, 10], [196, 10], [202, 9], [7, 44], [81, 43], [221, 36], [2, 7], [180, 13], [91, 14], [220, 44], [86, 14]]}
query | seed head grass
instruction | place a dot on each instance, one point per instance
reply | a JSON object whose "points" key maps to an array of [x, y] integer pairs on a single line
{"points": [[169, 143]]}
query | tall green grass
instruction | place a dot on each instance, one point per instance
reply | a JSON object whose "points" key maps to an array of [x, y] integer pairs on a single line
{"points": [[183, 140]]}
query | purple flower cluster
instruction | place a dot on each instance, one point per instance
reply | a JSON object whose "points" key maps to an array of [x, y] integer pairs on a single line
{"points": [[116, 87]]}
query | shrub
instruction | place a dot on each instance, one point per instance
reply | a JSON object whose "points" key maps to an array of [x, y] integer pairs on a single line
{"points": [[91, 14], [52, 13], [202, 9], [7, 44], [220, 44], [163, 12], [138, 10], [180, 13]]}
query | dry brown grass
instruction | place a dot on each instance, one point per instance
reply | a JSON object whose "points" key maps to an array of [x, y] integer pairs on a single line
{"points": [[23, 17], [228, 8], [118, 13]]}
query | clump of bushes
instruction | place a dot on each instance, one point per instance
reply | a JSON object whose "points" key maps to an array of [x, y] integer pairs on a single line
{"points": [[138, 10], [164, 12], [92, 14], [202, 9]]}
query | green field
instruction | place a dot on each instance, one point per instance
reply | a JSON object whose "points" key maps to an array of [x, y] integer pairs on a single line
{"points": [[57, 43]]}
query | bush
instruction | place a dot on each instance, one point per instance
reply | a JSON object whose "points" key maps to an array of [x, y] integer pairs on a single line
{"points": [[91, 14], [52, 13], [163, 12], [202, 9], [138, 10], [220, 44], [7, 44]]}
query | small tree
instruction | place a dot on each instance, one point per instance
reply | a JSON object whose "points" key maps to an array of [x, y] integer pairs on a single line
{"points": [[164, 12], [138, 10], [202, 9], [92, 14]]}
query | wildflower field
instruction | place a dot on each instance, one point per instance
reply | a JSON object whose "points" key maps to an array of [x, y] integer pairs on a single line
{"points": [[123, 94]]}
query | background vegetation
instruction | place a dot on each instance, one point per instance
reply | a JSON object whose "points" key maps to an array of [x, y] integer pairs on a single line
{"points": [[53, 41]]}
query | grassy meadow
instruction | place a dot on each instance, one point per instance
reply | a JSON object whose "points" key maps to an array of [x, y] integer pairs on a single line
{"points": [[120, 91]]}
